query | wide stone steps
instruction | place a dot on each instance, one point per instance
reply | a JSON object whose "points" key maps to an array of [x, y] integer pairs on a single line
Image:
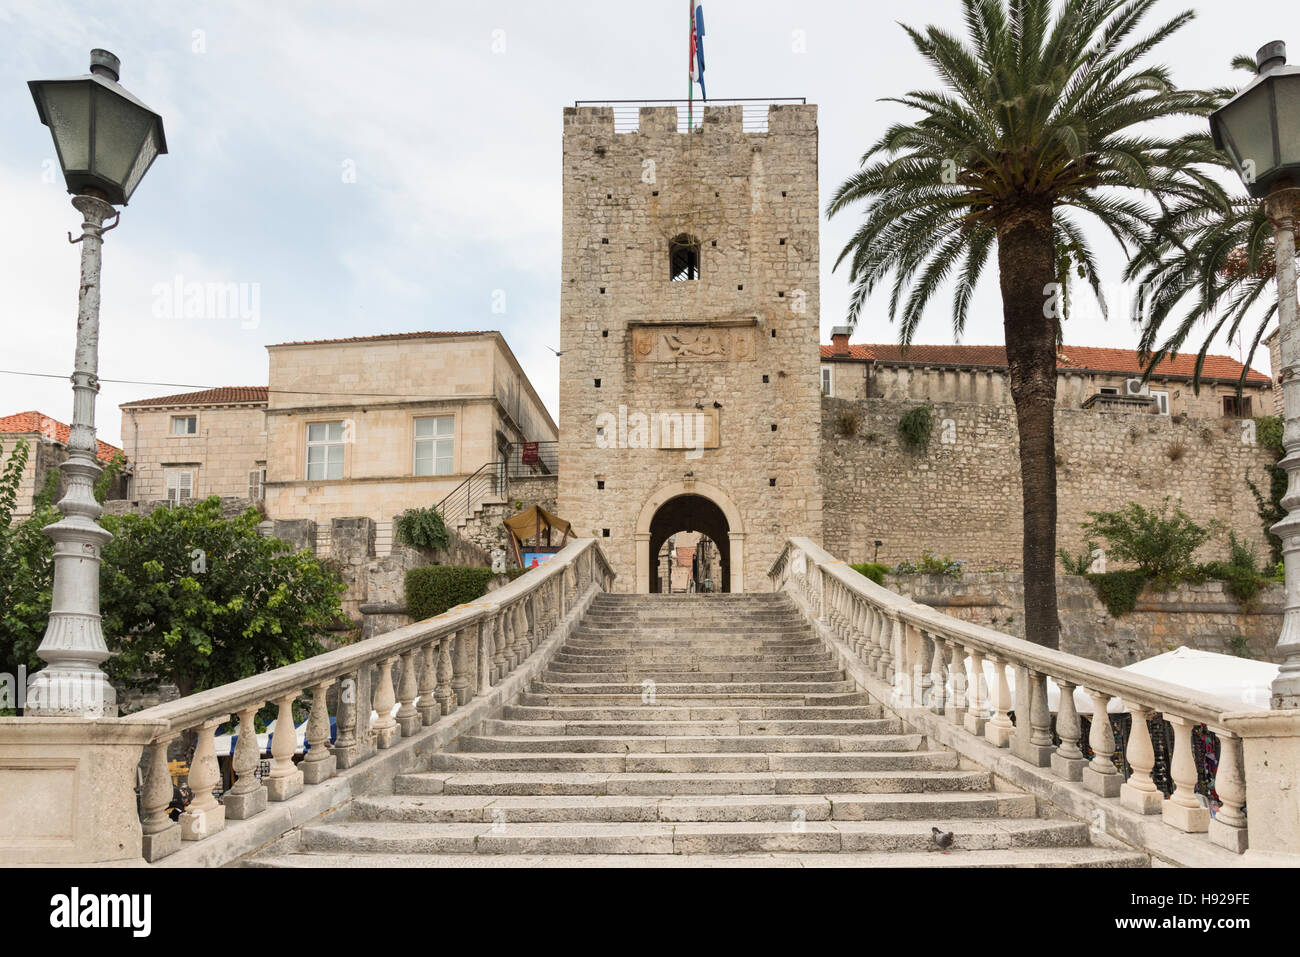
{"points": [[695, 730]]}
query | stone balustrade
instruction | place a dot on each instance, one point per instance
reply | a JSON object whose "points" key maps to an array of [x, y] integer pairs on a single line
{"points": [[936, 664], [441, 664]]}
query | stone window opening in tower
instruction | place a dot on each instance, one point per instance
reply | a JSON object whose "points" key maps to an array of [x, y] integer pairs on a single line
{"points": [[684, 258]]}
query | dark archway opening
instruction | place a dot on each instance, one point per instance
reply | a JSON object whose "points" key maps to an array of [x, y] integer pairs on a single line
{"points": [[689, 513]]}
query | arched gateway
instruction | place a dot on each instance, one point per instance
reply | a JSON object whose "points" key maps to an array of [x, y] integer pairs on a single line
{"points": [[692, 507]]}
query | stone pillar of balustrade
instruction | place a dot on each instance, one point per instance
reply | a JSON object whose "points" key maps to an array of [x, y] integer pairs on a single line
{"points": [[1033, 740], [1270, 755], [205, 815], [319, 764], [1101, 776], [408, 716], [999, 729], [977, 699], [285, 780], [385, 727], [958, 700], [462, 682], [1182, 810], [1228, 826], [1068, 761], [1139, 793], [428, 705], [161, 836], [247, 795]]}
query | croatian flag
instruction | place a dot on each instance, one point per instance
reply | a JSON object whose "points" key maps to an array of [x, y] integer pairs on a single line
{"points": [[697, 48]]}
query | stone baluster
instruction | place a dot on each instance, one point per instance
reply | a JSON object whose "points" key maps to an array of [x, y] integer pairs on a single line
{"points": [[428, 705], [957, 675], [864, 637], [1100, 776], [520, 623], [319, 765], [938, 692], [1034, 744], [922, 668], [1068, 761], [1228, 828], [977, 700], [878, 633], [247, 796], [408, 718], [205, 815], [507, 639], [892, 637], [1139, 793], [348, 749], [530, 616], [162, 835], [385, 727], [484, 629], [444, 694], [500, 660], [461, 659], [999, 729], [1183, 810]]}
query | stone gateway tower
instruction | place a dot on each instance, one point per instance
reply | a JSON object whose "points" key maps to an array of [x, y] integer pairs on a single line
{"points": [[689, 375]]}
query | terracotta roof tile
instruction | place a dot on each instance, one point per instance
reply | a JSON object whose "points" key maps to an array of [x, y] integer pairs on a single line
{"points": [[38, 423], [226, 395], [1089, 358], [381, 338]]}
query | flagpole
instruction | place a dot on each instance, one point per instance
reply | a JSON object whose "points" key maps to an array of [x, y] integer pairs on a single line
{"points": [[690, 83]]}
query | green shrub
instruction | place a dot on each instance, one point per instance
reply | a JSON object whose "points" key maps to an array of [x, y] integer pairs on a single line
{"points": [[1119, 590], [422, 528], [1160, 543], [915, 426], [873, 570], [1080, 564], [929, 564], [1240, 573], [433, 589]]}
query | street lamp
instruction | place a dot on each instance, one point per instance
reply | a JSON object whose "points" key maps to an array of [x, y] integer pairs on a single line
{"points": [[1259, 129], [106, 140]]}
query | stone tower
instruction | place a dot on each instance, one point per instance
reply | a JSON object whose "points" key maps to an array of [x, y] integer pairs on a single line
{"points": [[689, 382]]}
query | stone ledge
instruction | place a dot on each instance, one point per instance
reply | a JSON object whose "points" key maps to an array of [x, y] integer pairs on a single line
{"points": [[276, 825]]}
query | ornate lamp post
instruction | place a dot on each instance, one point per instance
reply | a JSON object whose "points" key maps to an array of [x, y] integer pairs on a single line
{"points": [[1259, 129], [106, 140]]}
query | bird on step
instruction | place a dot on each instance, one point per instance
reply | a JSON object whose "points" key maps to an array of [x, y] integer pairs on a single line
{"points": [[942, 839]]}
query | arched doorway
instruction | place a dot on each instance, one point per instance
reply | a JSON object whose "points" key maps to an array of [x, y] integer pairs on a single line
{"points": [[690, 513], [695, 507]]}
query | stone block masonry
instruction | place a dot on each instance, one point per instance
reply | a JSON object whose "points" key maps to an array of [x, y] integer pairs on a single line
{"points": [[735, 347], [960, 496]]}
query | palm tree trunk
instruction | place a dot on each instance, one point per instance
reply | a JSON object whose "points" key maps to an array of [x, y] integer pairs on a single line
{"points": [[1027, 263]]}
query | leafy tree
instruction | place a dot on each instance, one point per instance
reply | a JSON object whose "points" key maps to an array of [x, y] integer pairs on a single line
{"points": [[198, 601], [1042, 117]]}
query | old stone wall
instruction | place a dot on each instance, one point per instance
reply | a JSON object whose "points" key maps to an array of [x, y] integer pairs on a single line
{"points": [[1202, 616], [735, 348], [960, 496]]}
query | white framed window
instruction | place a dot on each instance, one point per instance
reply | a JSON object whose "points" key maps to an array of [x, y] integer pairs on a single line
{"points": [[324, 450], [435, 445], [1162, 401], [257, 484], [180, 485], [185, 424], [828, 380]]}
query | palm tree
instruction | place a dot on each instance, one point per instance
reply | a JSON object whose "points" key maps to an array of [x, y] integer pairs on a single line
{"points": [[1217, 254], [1038, 122]]}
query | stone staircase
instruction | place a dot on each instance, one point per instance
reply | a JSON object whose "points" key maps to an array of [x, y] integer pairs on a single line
{"points": [[695, 730]]}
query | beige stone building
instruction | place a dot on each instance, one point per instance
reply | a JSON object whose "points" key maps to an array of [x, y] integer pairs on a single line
{"points": [[1087, 378], [361, 427], [689, 324], [197, 444], [47, 449]]}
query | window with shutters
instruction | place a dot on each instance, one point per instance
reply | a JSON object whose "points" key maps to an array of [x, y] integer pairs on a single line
{"points": [[257, 484], [180, 486]]}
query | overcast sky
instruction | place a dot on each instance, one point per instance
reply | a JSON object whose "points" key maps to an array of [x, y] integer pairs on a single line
{"points": [[394, 166]]}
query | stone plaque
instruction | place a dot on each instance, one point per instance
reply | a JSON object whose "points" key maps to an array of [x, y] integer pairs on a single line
{"points": [[693, 343]]}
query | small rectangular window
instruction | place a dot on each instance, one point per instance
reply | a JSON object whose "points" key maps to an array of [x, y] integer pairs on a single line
{"points": [[1108, 390], [1162, 402], [1236, 408], [324, 450], [435, 445], [185, 424], [257, 484], [827, 380]]}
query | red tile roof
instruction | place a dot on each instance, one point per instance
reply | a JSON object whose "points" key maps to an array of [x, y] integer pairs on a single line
{"points": [[1087, 358], [226, 395], [381, 338], [38, 423]]}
